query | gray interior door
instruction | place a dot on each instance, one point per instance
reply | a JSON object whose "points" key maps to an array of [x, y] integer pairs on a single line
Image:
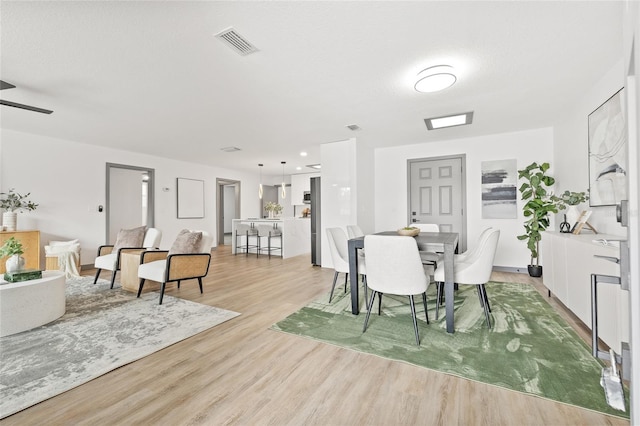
{"points": [[437, 194]]}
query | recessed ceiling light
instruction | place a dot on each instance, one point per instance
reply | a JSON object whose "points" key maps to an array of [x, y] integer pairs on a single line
{"points": [[303, 154], [434, 79], [449, 120], [298, 168], [314, 166]]}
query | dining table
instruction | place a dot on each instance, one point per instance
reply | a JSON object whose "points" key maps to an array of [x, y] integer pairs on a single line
{"points": [[447, 241]]}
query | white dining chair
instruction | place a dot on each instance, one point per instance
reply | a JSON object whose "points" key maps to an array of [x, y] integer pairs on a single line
{"points": [[476, 270], [430, 254], [394, 267], [354, 231], [338, 245]]}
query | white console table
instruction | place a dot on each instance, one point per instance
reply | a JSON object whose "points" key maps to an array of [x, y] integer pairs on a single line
{"points": [[568, 262], [28, 304]]}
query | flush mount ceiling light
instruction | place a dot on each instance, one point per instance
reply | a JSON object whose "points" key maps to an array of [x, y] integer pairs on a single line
{"points": [[449, 120], [434, 79]]}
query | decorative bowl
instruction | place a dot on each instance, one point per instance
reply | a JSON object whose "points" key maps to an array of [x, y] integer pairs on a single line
{"points": [[409, 232]]}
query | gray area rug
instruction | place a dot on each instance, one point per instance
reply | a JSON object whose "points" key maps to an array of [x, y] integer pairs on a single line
{"points": [[102, 330]]}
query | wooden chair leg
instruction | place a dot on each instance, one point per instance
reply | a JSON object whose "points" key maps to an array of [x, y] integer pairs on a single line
{"points": [[439, 293], [95, 280], [366, 320], [415, 319], [164, 284], [113, 277], [485, 306], [140, 286], [335, 278], [424, 302]]}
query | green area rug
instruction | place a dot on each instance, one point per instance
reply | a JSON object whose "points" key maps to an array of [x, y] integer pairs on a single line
{"points": [[530, 348]]}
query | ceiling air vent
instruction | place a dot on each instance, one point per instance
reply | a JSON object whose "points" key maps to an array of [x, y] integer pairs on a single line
{"points": [[354, 127], [235, 41], [230, 149]]}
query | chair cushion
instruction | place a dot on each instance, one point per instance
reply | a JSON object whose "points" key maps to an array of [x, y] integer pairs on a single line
{"points": [[129, 238], [108, 261], [153, 271], [186, 242]]}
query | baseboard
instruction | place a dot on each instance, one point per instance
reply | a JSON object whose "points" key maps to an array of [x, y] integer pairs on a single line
{"points": [[514, 269]]}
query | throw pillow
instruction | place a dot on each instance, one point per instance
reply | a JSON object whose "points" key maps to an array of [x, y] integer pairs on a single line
{"points": [[62, 243], [186, 242], [129, 238]]}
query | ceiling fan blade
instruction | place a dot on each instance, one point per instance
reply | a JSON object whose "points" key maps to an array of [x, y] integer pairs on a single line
{"points": [[23, 106], [5, 85]]}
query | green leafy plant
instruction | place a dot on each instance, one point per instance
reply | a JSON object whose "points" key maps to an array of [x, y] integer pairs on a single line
{"points": [[569, 198], [539, 204], [273, 207], [12, 201], [11, 247]]}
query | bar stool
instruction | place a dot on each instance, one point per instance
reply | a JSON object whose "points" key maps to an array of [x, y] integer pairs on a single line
{"points": [[269, 232], [245, 231]]}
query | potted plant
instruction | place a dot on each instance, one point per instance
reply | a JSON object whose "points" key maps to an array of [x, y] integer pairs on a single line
{"points": [[12, 203], [569, 200], [538, 205], [273, 208], [12, 249]]}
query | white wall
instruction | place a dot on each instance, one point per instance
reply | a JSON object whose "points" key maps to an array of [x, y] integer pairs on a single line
{"points": [[338, 205], [571, 147], [391, 183], [67, 179]]}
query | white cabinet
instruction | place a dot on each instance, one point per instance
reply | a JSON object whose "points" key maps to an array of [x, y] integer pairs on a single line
{"points": [[299, 184], [569, 260]]}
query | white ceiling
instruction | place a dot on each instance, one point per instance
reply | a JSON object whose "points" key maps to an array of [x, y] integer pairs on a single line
{"points": [[151, 77]]}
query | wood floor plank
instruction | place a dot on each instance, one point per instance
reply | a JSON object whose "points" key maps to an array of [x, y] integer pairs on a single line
{"points": [[242, 373]]}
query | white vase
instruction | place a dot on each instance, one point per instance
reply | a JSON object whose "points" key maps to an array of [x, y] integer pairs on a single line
{"points": [[270, 214], [15, 263], [10, 221]]}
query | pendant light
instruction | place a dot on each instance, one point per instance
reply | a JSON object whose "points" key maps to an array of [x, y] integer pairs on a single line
{"points": [[284, 192], [260, 187]]}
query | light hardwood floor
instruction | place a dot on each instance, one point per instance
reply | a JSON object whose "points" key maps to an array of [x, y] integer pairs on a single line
{"points": [[242, 373]]}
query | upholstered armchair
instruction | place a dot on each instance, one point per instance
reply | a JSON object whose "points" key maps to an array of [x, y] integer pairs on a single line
{"points": [[188, 258], [135, 239]]}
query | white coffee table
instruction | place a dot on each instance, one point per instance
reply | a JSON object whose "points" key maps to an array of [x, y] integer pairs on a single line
{"points": [[29, 304]]}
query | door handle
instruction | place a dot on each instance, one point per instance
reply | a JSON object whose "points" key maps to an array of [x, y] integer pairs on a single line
{"points": [[415, 220]]}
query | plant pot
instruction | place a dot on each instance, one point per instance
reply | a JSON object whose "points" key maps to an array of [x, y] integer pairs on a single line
{"points": [[572, 215], [535, 270], [15, 263], [10, 221]]}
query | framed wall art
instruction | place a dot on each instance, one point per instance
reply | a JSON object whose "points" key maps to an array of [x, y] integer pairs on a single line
{"points": [[608, 152], [190, 198], [499, 180]]}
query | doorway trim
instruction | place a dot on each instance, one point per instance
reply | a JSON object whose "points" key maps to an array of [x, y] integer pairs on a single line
{"points": [[220, 184], [150, 193], [462, 241]]}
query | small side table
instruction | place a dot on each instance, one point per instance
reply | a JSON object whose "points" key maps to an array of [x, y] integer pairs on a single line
{"points": [[129, 263]]}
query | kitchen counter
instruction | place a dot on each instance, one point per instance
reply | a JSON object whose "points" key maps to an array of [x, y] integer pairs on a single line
{"points": [[296, 234]]}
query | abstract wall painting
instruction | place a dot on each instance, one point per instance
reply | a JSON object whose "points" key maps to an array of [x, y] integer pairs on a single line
{"points": [[608, 152], [499, 193]]}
